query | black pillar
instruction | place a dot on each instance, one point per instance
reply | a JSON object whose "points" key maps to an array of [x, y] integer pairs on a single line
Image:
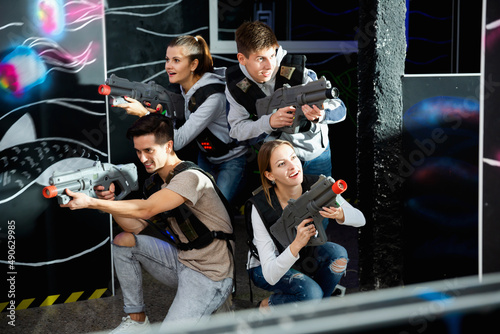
{"points": [[381, 59]]}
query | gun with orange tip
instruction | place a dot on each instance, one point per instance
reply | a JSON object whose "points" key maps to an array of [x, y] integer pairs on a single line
{"points": [[84, 180], [150, 94], [324, 193]]}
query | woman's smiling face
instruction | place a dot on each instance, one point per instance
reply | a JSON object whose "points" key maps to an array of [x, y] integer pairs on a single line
{"points": [[286, 168]]}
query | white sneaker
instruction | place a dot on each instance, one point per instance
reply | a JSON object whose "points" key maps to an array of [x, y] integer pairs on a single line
{"points": [[130, 326]]}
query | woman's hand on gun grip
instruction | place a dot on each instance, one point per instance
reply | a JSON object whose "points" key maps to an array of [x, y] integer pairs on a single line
{"points": [[134, 107], [102, 193], [305, 230], [333, 213]]}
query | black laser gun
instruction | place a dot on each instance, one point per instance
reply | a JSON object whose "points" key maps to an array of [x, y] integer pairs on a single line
{"points": [[84, 180], [150, 94], [323, 193], [311, 93]]}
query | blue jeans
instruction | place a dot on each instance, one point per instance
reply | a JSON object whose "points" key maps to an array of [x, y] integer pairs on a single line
{"points": [[159, 258], [228, 175], [319, 165], [296, 286]]}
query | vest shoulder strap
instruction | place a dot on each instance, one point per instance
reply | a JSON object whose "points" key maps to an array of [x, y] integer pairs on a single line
{"points": [[268, 214], [309, 181], [184, 165], [152, 185], [209, 144], [244, 90], [203, 93], [291, 71]]}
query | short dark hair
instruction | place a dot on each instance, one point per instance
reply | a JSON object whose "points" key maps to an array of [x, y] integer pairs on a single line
{"points": [[157, 124], [253, 37]]}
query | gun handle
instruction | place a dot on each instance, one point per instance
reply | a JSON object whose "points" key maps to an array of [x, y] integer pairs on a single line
{"points": [[106, 184], [124, 191], [321, 237], [124, 188]]}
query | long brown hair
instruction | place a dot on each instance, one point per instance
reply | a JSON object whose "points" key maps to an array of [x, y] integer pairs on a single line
{"points": [[264, 162], [196, 48]]}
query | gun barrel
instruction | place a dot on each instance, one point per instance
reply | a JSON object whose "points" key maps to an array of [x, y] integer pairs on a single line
{"points": [[326, 198], [118, 91], [332, 93], [314, 97], [77, 185], [104, 90], [339, 187], [50, 191]]}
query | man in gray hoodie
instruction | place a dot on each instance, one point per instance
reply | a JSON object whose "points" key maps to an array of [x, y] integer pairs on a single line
{"points": [[264, 67]]}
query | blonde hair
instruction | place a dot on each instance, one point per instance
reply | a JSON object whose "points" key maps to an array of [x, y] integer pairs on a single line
{"points": [[264, 162], [196, 48]]}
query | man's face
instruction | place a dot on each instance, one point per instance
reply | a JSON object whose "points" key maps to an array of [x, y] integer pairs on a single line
{"points": [[260, 65], [152, 155]]}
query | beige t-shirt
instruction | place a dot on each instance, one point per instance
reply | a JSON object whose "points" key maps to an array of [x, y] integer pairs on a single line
{"points": [[215, 260]]}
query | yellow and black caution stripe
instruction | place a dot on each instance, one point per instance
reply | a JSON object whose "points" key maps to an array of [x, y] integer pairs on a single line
{"points": [[53, 299]]}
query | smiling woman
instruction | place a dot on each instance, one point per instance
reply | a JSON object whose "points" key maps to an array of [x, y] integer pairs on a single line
{"points": [[280, 269]]}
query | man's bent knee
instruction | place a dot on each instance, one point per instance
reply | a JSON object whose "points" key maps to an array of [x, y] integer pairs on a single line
{"points": [[124, 239]]}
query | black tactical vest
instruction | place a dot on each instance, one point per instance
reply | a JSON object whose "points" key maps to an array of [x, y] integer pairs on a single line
{"points": [[209, 144], [194, 230], [270, 215]]}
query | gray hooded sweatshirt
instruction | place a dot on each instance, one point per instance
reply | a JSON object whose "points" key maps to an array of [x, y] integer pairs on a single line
{"points": [[210, 114]]}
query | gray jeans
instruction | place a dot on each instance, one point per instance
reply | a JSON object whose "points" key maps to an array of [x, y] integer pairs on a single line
{"points": [[197, 295]]}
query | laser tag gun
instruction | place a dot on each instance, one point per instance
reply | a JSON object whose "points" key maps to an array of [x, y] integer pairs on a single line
{"points": [[322, 193], [150, 94], [311, 93], [84, 180]]}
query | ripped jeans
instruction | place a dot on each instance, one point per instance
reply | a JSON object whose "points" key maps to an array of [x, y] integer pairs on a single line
{"points": [[328, 261]]}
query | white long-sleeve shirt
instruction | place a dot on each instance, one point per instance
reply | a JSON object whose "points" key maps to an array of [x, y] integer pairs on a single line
{"points": [[275, 265]]}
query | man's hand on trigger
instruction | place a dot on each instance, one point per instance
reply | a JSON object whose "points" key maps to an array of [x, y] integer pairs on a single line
{"points": [[282, 117], [102, 193]]}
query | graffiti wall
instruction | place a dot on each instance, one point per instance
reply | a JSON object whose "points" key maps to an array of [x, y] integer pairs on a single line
{"points": [[51, 120]]}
